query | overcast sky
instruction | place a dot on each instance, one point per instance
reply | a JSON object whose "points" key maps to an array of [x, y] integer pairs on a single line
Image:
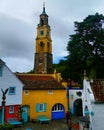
{"points": [[18, 23]]}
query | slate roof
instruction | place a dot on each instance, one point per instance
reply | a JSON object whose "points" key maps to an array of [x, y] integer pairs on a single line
{"points": [[98, 89], [39, 82], [2, 62]]}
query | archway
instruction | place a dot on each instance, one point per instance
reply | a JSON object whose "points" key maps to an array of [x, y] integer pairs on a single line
{"points": [[58, 111], [78, 111]]}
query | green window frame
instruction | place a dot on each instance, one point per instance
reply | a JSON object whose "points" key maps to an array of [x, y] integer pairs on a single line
{"points": [[41, 107], [1, 70], [12, 90]]}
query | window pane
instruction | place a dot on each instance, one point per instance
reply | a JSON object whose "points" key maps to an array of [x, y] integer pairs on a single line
{"points": [[12, 90], [41, 107], [11, 109]]}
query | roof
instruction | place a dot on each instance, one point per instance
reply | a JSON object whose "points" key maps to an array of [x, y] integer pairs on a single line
{"points": [[39, 82], [44, 12], [2, 62], [98, 89]]}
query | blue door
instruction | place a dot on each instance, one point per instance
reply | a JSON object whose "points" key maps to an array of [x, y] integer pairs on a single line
{"points": [[58, 112], [25, 113]]}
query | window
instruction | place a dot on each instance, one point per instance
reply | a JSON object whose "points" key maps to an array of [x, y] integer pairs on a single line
{"points": [[12, 90], [41, 46], [11, 109], [1, 69], [26, 92], [42, 21], [58, 107], [41, 107]]}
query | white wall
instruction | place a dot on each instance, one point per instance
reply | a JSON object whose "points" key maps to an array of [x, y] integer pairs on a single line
{"points": [[8, 79], [73, 97], [88, 97]]}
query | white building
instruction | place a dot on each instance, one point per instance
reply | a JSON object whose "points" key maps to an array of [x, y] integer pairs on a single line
{"points": [[88, 98], [9, 81], [75, 101], [80, 104]]}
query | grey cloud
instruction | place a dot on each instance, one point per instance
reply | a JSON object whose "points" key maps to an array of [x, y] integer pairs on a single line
{"points": [[16, 37], [19, 21]]}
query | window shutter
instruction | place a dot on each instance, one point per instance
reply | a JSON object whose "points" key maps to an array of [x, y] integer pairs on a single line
{"points": [[45, 106], [37, 107], [1, 69]]}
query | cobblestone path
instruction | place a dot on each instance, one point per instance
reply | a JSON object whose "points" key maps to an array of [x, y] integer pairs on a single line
{"points": [[54, 125]]}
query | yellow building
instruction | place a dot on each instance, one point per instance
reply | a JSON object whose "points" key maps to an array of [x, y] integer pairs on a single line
{"points": [[43, 93]]}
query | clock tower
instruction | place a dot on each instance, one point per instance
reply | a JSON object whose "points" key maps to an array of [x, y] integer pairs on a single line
{"points": [[43, 56]]}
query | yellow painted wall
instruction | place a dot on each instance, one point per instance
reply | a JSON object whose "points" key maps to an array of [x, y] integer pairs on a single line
{"points": [[42, 96], [45, 39]]}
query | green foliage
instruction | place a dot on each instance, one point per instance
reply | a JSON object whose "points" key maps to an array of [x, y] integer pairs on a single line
{"points": [[30, 72], [86, 48], [6, 127], [62, 68]]}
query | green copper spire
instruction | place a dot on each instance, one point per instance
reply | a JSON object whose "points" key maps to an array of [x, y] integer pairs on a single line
{"points": [[43, 13]]}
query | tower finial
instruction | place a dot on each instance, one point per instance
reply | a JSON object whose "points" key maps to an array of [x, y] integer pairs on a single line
{"points": [[44, 8], [43, 4]]}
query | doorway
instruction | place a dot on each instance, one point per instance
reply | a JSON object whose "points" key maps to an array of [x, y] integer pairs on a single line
{"points": [[78, 111]]}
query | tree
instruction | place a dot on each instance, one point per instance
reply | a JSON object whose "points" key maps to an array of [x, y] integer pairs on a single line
{"points": [[62, 68], [86, 47]]}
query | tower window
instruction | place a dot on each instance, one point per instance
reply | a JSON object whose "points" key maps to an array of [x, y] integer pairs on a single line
{"points": [[42, 44], [41, 21]]}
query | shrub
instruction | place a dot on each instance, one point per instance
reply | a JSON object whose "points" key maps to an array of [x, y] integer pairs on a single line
{"points": [[6, 127]]}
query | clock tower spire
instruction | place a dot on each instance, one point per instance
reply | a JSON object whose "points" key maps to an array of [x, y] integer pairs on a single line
{"points": [[43, 55]]}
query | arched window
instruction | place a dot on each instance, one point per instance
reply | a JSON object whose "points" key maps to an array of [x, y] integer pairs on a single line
{"points": [[41, 21], [58, 107], [41, 46]]}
